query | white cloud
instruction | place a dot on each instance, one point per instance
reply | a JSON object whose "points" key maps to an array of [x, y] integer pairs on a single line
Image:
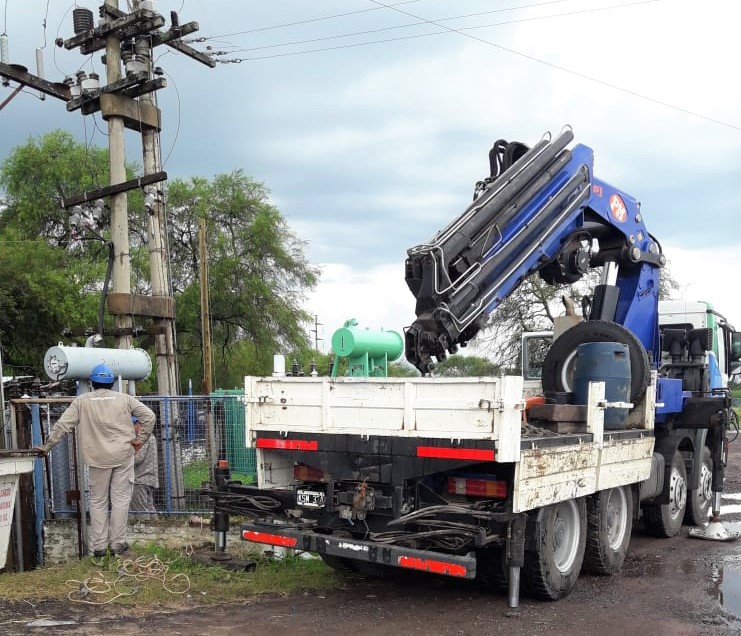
{"points": [[709, 274], [377, 298]]}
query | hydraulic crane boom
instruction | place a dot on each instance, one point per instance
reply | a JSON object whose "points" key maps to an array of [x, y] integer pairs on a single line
{"points": [[541, 210]]}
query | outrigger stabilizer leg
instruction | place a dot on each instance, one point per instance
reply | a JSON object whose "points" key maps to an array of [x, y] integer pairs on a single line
{"points": [[714, 530]]}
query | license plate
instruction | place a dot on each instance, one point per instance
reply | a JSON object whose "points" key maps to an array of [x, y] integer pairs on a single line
{"points": [[310, 498]]}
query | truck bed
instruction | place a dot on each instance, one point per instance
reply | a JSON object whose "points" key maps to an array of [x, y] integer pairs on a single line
{"points": [[466, 413]]}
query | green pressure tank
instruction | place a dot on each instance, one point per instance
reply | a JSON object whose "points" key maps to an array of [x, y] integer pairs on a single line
{"points": [[368, 351]]}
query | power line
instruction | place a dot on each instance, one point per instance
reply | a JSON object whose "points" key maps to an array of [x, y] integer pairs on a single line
{"points": [[307, 21], [455, 17], [565, 69]]}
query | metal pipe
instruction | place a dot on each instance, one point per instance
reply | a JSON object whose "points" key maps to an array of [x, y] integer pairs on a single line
{"points": [[513, 599]]}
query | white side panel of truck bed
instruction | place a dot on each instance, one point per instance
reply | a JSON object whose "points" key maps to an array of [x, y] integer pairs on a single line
{"points": [[545, 476], [448, 408]]}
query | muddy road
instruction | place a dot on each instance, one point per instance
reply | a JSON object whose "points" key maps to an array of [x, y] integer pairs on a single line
{"points": [[668, 587]]}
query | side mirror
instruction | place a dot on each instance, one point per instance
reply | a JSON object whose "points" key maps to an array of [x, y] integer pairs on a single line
{"points": [[735, 346]]}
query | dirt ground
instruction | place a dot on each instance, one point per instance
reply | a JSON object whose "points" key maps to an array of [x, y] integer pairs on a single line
{"points": [[668, 587]]}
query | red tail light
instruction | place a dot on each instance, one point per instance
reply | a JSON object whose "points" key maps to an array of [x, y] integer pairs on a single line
{"points": [[440, 452], [477, 487], [432, 565], [269, 538], [287, 444]]}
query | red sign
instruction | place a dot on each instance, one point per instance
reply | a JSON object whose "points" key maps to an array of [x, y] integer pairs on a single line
{"points": [[7, 500]]}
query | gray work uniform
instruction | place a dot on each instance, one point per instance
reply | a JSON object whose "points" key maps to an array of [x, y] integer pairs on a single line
{"points": [[146, 480], [103, 421]]}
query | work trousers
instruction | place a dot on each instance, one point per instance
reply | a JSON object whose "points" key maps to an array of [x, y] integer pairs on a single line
{"points": [[110, 487], [142, 502]]}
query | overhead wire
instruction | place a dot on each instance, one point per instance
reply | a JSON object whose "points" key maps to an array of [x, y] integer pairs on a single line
{"points": [[567, 70], [310, 20], [455, 17]]}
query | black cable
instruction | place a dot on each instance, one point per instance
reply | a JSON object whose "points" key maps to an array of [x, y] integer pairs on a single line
{"points": [[106, 282]]}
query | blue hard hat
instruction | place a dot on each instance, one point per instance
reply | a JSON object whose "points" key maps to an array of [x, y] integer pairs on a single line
{"points": [[102, 374]]}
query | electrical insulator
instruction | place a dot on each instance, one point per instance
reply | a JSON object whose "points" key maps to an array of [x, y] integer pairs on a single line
{"points": [[90, 83], [4, 49], [82, 20], [134, 63]]}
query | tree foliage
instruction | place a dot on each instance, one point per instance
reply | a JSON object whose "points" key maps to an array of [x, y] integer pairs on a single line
{"points": [[458, 366], [53, 270], [533, 306], [257, 275]]}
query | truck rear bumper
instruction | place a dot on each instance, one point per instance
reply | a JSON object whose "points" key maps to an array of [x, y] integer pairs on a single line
{"points": [[456, 566]]}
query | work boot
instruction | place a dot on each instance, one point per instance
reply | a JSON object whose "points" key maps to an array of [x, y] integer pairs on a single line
{"points": [[120, 549], [99, 554]]}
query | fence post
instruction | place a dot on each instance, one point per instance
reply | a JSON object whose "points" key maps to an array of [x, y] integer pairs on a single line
{"points": [[38, 479]]}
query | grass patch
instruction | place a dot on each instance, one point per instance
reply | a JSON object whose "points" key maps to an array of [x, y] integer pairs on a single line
{"points": [[152, 576], [196, 473]]}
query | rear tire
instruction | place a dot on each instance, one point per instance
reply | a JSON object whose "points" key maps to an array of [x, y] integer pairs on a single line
{"points": [[665, 520], [609, 524], [699, 500], [491, 569], [553, 566]]}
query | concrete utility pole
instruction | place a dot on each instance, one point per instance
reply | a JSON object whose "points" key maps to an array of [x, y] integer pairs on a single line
{"points": [[205, 314], [167, 377], [206, 341], [121, 276], [127, 102]]}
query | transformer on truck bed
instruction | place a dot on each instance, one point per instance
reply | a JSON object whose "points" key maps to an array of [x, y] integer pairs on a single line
{"points": [[458, 476]]}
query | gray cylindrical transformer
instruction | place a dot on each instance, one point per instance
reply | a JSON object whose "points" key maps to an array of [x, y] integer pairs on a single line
{"points": [[76, 363]]}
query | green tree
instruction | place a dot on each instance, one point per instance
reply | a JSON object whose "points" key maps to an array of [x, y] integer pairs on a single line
{"points": [[51, 278], [258, 276], [53, 270], [533, 307], [458, 366]]}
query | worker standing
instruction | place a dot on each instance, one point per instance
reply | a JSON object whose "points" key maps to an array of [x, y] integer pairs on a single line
{"points": [[108, 444], [146, 478]]}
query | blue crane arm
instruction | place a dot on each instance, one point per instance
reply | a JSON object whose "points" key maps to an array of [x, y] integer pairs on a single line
{"points": [[545, 213]]}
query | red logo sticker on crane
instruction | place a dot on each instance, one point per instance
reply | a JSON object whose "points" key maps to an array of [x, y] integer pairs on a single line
{"points": [[618, 209]]}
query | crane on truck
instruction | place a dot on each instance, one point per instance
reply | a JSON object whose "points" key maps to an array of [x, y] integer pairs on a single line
{"points": [[467, 478]]}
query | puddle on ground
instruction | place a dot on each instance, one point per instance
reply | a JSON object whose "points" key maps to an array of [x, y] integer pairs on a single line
{"points": [[727, 588]]}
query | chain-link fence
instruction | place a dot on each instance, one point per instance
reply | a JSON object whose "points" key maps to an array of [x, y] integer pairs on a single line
{"points": [[178, 466]]}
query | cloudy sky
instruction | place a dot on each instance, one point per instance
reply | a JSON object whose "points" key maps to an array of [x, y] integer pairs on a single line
{"points": [[370, 121]]}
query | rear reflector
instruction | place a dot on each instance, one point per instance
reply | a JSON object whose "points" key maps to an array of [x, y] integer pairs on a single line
{"points": [[439, 452], [477, 487], [270, 539], [430, 565], [287, 444]]}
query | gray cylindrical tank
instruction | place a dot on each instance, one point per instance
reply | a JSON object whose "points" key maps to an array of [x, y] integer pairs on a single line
{"points": [[76, 363], [607, 362]]}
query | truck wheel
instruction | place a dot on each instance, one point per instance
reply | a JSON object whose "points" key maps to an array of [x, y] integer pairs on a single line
{"points": [[665, 520], [558, 366], [609, 524], [699, 500], [491, 569], [553, 566]]}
